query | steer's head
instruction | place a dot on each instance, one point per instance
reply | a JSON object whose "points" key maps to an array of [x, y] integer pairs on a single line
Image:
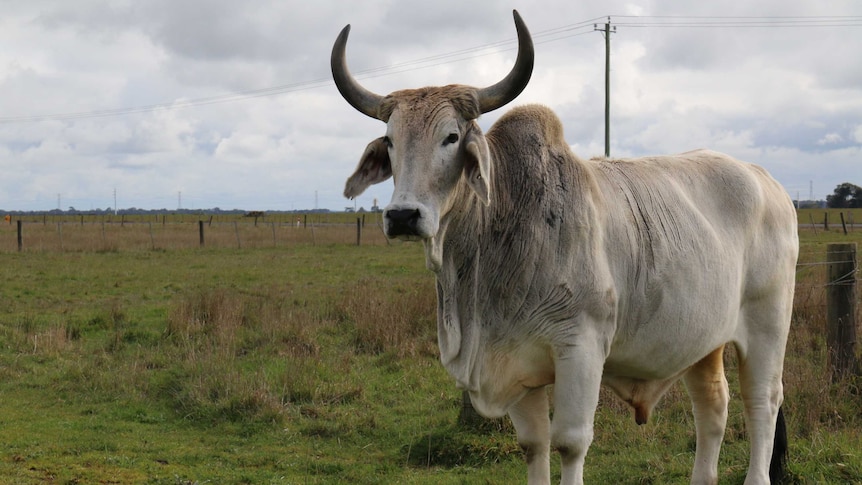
{"points": [[432, 141]]}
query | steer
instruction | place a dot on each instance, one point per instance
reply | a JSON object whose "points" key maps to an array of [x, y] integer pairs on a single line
{"points": [[552, 269]]}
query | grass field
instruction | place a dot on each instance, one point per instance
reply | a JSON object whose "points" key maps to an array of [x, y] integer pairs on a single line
{"points": [[829, 217], [315, 361]]}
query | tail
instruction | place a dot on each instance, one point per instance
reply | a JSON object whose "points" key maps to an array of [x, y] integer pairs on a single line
{"points": [[777, 472]]}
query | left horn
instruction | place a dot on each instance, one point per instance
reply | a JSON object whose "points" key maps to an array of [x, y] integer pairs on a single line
{"points": [[510, 87], [360, 98]]}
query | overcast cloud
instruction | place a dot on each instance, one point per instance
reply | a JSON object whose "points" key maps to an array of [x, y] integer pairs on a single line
{"points": [[231, 104]]}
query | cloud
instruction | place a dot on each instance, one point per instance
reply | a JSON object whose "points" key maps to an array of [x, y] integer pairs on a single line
{"points": [[787, 98], [830, 139]]}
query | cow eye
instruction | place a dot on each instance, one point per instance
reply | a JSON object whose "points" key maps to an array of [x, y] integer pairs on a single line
{"points": [[452, 138], [387, 142]]}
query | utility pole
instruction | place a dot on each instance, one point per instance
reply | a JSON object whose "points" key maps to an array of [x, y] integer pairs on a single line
{"points": [[606, 31]]}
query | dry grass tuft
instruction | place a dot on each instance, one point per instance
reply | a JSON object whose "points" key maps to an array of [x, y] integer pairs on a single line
{"points": [[219, 332], [397, 317]]}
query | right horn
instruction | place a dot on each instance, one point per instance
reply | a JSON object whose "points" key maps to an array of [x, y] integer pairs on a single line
{"points": [[360, 98], [510, 87]]}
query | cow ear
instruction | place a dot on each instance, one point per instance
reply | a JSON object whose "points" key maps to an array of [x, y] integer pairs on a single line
{"points": [[373, 168], [477, 165]]}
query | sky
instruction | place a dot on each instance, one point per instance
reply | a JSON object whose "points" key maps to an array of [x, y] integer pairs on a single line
{"points": [[200, 104]]}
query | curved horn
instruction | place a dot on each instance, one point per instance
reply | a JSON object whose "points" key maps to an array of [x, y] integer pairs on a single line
{"points": [[495, 96], [360, 98]]}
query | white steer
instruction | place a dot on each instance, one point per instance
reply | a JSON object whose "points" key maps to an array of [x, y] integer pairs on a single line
{"points": [[556, 270]]}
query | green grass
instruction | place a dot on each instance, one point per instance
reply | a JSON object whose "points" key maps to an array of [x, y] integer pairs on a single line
{"points": [[831, 216], [316, 364]]}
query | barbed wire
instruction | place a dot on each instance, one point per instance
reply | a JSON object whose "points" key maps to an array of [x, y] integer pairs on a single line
{"points": [[854, 275]]}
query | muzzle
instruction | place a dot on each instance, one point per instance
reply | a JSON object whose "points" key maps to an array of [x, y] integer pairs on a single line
{"points": [[403, 223]]}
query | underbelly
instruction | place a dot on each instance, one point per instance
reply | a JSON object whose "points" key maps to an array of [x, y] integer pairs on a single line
{"points": [[661, 348], [656, 360]]}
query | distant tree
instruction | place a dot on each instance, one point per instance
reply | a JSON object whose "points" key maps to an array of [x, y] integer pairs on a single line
{"points": [[846, 195]]}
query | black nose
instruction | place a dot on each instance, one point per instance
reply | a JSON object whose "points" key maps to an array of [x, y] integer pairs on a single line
{"points": [[402, 222]]}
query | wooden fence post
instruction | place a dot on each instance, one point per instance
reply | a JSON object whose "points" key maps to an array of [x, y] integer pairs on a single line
{"points": [[358, 231], [825, 221], [841, 308], [20, 235], [468, 417], [843, 225], [201, 231], [813, 227]]}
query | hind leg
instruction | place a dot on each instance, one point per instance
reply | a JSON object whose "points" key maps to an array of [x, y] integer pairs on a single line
{"points": [[761, 363], [707, 387]]}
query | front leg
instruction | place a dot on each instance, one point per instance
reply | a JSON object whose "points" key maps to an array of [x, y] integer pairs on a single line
{"points": [[532, 423], [576, 396]]}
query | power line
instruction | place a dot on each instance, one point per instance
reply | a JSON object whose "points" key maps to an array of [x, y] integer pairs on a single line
{"points": [[738, 21], [541, 37]]}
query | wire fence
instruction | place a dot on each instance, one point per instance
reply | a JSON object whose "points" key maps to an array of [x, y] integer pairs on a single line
{"points": [[120, 233], [240, 233], [826, 299], [813, 274]]}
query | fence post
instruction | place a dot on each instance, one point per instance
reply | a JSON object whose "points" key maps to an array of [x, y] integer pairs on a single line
{"points": [[825, 221], [152, 238], [841, 308], [468, 417], [358, 231], [813, 227], [20, 235], [843, 225], [201, 231]]}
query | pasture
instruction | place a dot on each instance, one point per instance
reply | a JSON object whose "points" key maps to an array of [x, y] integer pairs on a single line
{"points": [[132, 355]]}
